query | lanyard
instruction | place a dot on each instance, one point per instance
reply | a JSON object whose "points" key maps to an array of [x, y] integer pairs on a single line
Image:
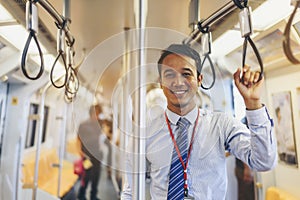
{"points": [[184, 165]]}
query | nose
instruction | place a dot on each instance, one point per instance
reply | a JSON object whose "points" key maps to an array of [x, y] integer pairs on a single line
{"points": [[179, 80]]}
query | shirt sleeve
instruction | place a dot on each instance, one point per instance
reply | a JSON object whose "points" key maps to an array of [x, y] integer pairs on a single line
{"points": [[256, 145]]}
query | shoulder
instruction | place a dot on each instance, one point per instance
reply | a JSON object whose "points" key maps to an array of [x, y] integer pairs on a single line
{"points": [[212, 114], [154, 125], [216, 117]]}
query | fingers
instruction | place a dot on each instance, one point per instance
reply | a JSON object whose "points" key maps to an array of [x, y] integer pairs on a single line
{"points": [[236, 76], [256, 77], [246, 74], [249, 77]]}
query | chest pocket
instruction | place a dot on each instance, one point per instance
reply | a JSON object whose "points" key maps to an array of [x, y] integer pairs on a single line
{"points": [[160, 156]]}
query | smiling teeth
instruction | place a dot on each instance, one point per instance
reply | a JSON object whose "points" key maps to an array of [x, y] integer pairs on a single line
{"points": [[179, 92]]}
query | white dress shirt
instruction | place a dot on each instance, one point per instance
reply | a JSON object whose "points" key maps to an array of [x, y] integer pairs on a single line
{"points": [[215, 133]]}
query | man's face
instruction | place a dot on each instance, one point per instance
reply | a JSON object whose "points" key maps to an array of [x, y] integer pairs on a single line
{"points": [[179, 82]]}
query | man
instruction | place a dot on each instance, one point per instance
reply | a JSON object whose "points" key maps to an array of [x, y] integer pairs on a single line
{"points": [[202, 166], [89, 137]]}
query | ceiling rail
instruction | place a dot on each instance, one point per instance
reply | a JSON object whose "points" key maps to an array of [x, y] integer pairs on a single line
{"points": [[209, 21], [59, 19]]}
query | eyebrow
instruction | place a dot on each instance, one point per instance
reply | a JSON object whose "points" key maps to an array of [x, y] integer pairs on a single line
{"points": [[188, 69], [184, 69]]}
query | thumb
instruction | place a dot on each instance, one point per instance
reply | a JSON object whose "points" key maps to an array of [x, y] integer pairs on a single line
{"points": [[236, 76]]}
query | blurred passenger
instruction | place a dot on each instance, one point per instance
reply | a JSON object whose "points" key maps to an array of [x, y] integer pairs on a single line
{"points": [[107, 130], [89, 136]]}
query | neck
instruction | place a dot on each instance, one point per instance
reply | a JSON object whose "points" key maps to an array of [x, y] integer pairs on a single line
{"points": [[181, 110]]}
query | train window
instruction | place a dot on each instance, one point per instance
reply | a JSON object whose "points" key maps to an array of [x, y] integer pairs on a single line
{"points": [[31, 135], [46, 111]]}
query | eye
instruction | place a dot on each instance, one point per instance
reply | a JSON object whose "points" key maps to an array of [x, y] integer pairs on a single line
{"points": [[169, 75], [186, 74]]}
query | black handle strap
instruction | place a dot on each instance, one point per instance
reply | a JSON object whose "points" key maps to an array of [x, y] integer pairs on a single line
{"points": [[60, 54], [240, 5], [256, 52], [212, 70], [24, 56], [72, 85], [250, 41], [207, 57]]}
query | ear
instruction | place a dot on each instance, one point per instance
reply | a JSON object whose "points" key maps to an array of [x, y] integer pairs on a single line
{"points": [[200, 78]]}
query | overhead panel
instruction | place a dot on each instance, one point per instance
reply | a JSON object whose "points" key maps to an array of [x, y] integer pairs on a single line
{"points": [[229, 21]]}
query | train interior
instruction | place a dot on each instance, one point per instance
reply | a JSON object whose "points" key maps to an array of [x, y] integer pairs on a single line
{"points": [[106, 52]]}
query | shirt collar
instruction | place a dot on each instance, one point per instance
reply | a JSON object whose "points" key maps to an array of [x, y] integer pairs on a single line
{"points": [[191, 116]]}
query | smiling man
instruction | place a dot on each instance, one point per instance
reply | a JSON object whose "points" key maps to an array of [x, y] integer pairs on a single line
{"points": [[186, 146], [179, 80]]}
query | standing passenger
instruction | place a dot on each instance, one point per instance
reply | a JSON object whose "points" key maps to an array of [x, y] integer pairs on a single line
{"points": [[89, 135], [185, 146]]}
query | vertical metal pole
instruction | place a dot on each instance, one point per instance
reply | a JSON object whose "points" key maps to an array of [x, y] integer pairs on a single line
{"points": [[125, 106], [39, 142], [126, 80], [194, 14], [62, 143], [66, 9], [140, 106], [126, 120], [18, 171], [115, 108], [66, 14]]}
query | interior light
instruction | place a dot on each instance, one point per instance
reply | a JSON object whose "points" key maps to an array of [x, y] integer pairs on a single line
{"points": [[226, 43], [232, 39], [17, 36], [4, 15], [270, 13]]}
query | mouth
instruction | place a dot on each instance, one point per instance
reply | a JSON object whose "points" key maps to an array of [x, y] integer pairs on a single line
{"points": [[179, 93]]}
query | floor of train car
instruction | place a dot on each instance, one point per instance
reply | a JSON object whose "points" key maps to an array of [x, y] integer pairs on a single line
{"points": [[106, 190]]}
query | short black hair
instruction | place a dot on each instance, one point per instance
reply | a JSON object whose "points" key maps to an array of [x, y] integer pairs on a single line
{"points": [[180, 49]]}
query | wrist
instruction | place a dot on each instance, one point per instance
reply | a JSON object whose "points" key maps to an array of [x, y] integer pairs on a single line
{"points": [[253, 104]]}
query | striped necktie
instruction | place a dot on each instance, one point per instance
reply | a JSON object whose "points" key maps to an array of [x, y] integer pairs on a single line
{"points": [[176, 180]]}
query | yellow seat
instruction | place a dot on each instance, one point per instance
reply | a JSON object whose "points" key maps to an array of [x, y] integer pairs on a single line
{"points": [[275, 193], [48, 173], [73, 147]]}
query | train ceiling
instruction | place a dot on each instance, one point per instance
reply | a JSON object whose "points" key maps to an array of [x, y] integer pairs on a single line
{"points": [[95, 21]]}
